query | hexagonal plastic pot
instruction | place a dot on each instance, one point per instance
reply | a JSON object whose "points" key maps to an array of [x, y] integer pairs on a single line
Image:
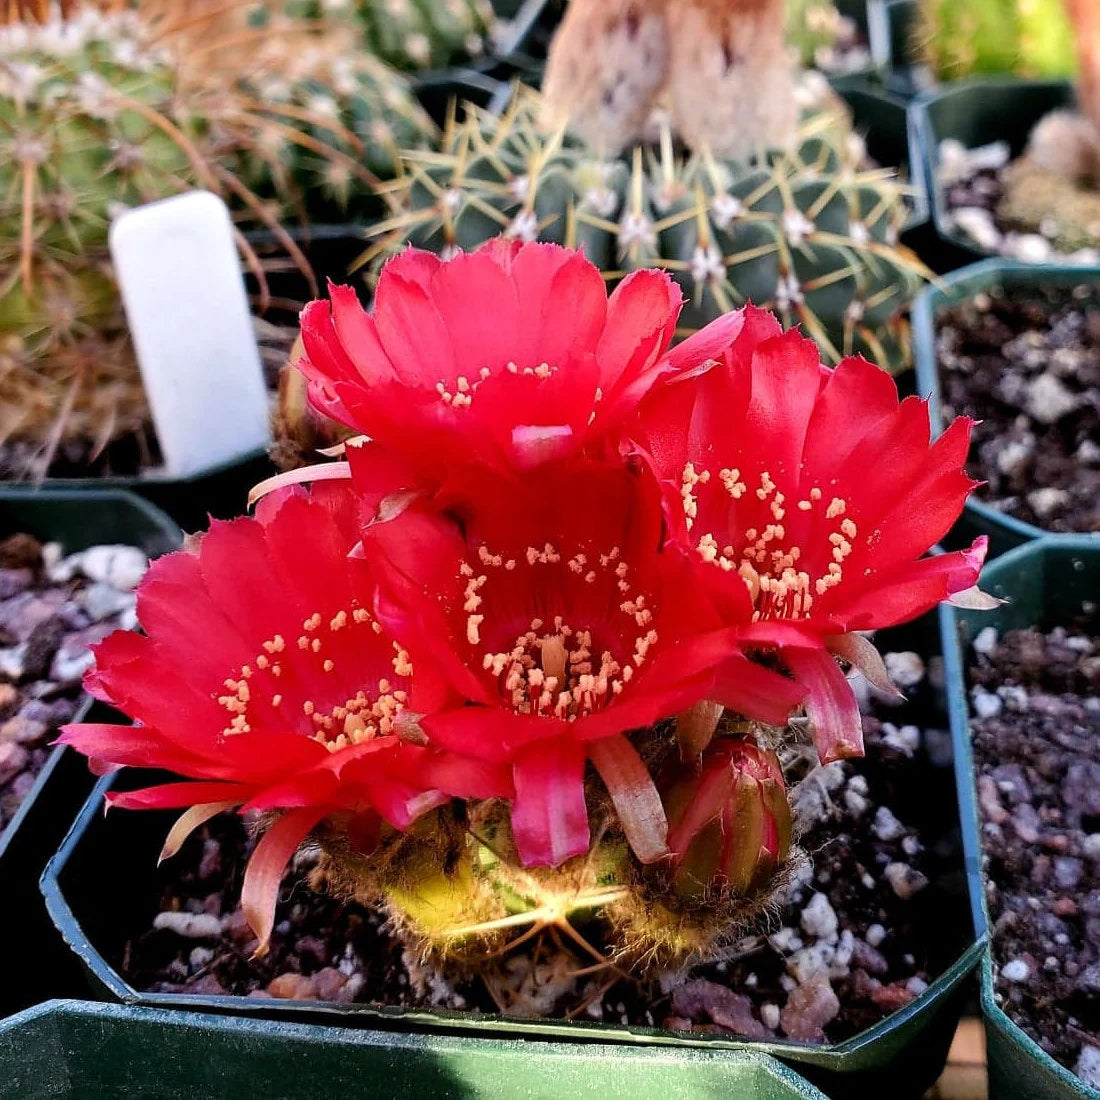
{"points": [[104, 856], [977, 112], [891, 28], [76, 520], [979, 518], [220, 490], [1045, 582], [68, 1050]]}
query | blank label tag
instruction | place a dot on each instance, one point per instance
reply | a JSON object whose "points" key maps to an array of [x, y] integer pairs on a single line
{"points": [[179, 272]]}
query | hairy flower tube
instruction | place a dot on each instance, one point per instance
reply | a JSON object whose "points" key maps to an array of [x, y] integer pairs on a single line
{"points": [[265, 679], [551, 623], [806, 498], [504, 358]]}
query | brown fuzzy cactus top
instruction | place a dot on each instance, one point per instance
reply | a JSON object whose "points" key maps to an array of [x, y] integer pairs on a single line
{"points": [[720, 66]]}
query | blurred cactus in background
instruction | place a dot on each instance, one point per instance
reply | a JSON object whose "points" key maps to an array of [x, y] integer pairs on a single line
{"points": [[811, 232], [101, 110], [1030, 38]]}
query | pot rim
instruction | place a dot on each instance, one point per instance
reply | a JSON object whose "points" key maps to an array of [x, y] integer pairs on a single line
{"points": [[966, 782], [833, 1056], [956, 286]]}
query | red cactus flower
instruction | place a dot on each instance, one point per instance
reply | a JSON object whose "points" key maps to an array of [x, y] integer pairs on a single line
{"points": [[551, 622], [504, 357], [266, 681], [807, 497], [729, 821]]}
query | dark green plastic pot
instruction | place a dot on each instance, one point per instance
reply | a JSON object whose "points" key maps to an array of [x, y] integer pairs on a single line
{"points": [[71, 1050], [978, 518], [977, 112], [891, 29], [114, 856], [1046, 583], [883, 121], [221, 490], [77, 520]]}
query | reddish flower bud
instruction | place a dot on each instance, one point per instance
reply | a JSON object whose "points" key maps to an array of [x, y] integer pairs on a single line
{"points": [[729, 821]]}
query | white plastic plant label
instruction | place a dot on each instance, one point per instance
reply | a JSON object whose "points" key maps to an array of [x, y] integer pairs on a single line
{"points": [[179, 272]]}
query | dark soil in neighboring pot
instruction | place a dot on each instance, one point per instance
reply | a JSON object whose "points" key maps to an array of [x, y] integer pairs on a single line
{"points": [[1026, 364], [861, 934], [51, 608], [1036, 735], [1013, 208]]}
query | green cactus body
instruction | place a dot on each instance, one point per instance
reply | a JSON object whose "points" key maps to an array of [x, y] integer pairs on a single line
{"points": [[807, 233], [94, 120], [811, 25], [1031, 38], [80, 134], [345, 121], [458, 896], [426, 34]]}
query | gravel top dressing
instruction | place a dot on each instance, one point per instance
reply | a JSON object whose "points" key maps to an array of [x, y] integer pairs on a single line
{"points": [[51, 608], [1026, 364], [1035, 706]]}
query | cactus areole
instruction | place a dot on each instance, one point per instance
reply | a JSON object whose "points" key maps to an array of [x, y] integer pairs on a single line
{"points": [[522, 659]]}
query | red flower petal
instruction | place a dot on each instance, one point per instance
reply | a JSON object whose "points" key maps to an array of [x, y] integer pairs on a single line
{"points": [[634, 795], [830, 703], [549, 816], [262, 877]]}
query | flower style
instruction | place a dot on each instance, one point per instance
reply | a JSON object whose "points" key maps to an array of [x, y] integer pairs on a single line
{"points": [[266, 681], [506, 357], [806, 497], [550, 623]]}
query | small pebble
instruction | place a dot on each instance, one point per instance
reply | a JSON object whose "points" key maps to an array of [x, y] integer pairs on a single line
{"points": [[904, 880], [192, 926], [1016, 970]]}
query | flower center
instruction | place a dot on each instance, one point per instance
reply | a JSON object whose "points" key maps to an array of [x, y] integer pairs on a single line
{"points": [[460, 393], [557, 673], [262, 685], [555, 669], [767, 557]]}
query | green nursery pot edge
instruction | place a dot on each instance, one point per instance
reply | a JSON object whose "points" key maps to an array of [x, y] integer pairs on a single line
{"points": [[1005, 532], [75, 1049], [978, 111], [77, 519], [1019, 1069], [857, 1067]]}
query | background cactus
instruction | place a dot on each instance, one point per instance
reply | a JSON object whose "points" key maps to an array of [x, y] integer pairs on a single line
{"points": [[95, 117], [810, 233], [1031, 38], [411, 35], [812, 26]]}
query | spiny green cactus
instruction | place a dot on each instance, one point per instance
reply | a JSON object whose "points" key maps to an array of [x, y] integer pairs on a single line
{"points": [[334, 114], [411, 35], [456, 893], [102, 111], [1031, 38], [810, 233], [811, 25]]}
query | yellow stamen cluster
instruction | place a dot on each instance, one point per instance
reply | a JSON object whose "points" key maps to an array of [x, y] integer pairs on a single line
{"points": [[764, 558], [460, 395], [555, 669], [369, 714]]}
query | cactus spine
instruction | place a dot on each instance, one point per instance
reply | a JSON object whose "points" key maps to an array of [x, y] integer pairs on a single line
{"points": [[809, 233], [100, 110]]}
